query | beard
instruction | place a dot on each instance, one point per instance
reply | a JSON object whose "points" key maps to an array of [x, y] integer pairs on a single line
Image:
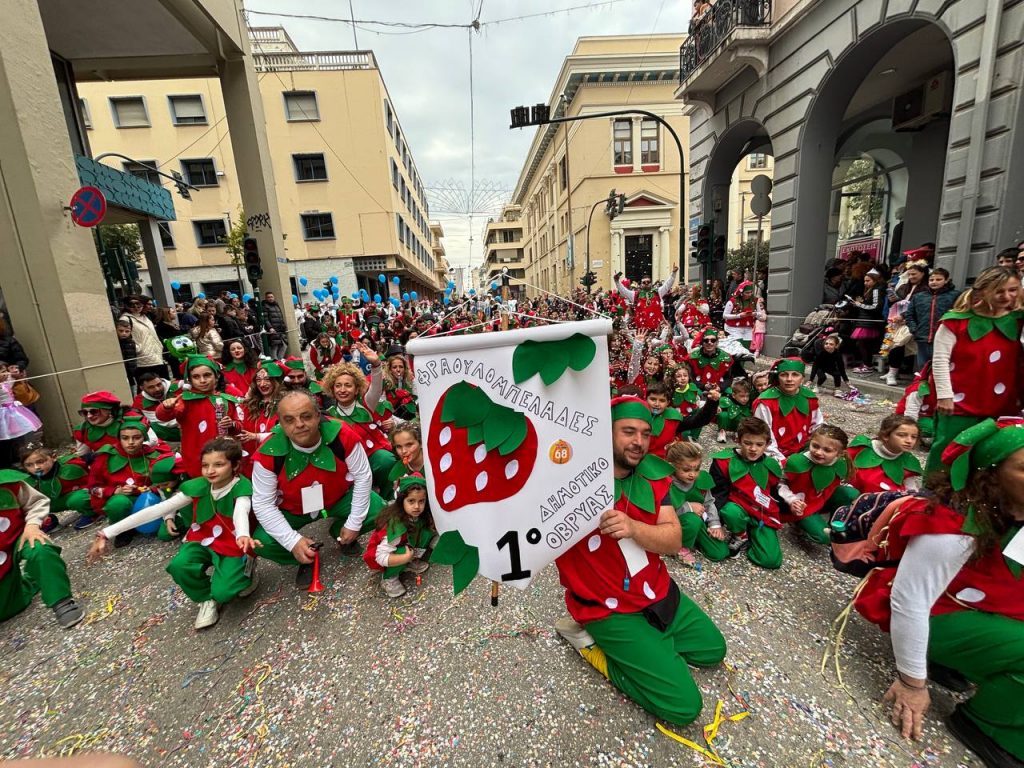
{"points": [[624, 460]]}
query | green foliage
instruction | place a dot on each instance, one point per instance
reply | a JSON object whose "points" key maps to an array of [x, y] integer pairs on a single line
{"points": [[743, 257], [123, 237], [235, 238]]}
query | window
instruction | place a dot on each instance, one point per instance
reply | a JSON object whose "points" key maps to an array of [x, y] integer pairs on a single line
{"points": [[388, 117], [394, 174], [187, 110], [622, 142], [300, 105], [317, 226], [757, 161], [200, 172], [650, 152], [401, 227], [83, 107], [129, 111], [166, 238], [751, 235], [563, 173], [210, 232], [140, 170], [310, 167]]}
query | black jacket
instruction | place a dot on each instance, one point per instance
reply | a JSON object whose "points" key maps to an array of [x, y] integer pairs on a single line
{"points": [[274, 316], [11, 352]]}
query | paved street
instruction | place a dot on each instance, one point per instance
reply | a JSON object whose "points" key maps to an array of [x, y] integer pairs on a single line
{"points": [[352, 678]]}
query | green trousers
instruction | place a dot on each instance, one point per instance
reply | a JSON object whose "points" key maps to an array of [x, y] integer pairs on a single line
{"points": [[77, 501], [764, 550], [988, 650], [179, 525], [338, 514], [696, 536], [816, 525], [650, 667], [381, 463], [188, 569], [118, 507], [946, 430], [38, 568]]}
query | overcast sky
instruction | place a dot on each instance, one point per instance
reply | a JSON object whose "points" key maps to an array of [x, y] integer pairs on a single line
{"points": [[427, 74]]}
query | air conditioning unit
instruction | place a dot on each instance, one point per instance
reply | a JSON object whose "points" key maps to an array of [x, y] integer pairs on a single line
{"points": [[914, 109]]}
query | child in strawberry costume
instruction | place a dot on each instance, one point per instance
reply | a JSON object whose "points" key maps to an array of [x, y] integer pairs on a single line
{"points": [[152, 391], [259, 410], [918, 402], [691, 497], [310, 468], [202, 411], [685, 394], [981, 333], [216, 534], [710, 365], [29, 561], [63, 481], [746, 493], [953, 599], [886, 462], [740, 313], [355, 404], [735, 406], [651, 372], [404, 531], [101, 411], [669, 425], [815, 481], [323, 353], [628, 618], [646, 302], [788, 408]]}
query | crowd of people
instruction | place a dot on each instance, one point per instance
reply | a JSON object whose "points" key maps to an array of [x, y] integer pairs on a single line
{"points": [[234, 453]]}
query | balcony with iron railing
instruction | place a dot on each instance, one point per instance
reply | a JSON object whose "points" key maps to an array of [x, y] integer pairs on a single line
{"points": [[733, 35]]}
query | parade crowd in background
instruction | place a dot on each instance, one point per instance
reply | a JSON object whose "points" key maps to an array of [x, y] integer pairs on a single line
{"points": [[232, 448]]}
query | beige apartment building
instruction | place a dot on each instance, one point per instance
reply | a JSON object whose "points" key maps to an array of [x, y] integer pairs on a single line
{"points": [[743, 224], [351, 199], [571, 168], [503, 250]]}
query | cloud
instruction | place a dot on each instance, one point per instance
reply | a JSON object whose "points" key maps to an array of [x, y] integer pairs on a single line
{"points": [[427, 76]]}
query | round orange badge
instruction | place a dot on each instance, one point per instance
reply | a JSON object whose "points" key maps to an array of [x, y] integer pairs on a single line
{"points": [[560, 452]]}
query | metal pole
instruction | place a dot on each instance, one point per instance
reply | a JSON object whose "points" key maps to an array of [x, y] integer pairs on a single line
{"points": [[757, 252], [590, 218]]}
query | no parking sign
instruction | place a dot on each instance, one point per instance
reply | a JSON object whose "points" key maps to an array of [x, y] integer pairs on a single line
{"points": [[88, 207]]}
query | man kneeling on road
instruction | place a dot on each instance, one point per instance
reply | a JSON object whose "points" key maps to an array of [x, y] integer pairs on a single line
{"points": [[307, 469], [628, 618]]}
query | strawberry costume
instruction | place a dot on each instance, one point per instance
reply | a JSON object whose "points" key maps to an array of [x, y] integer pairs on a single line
{"points": [[877, 469], [918, 401], [822, 487], [945, 603], [695, 526], [238, 378], [709, 366], [90, 437], [790, 417], [643, 630], [66, 485], [323, 353], [646, 301], [147, 406], [746, 494], [113, 468], [738, 315]]}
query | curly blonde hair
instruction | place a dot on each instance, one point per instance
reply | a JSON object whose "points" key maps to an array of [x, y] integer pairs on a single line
{"points": [[345, 369]]}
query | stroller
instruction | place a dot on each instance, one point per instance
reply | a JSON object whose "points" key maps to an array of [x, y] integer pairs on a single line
{"points": [[821, 321]]}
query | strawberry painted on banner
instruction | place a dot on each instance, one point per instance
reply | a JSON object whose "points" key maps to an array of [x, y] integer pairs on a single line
{"points": [[493, 405]]}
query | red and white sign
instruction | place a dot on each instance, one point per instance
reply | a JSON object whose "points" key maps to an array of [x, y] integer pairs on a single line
{"points": [[88, 207], [871, 246]]}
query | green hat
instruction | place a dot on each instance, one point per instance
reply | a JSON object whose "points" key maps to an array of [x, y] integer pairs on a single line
{"points": [[629, 407], [709, 333], [984, 445], [197, 361], [790, 364], [272, 369], [409, 482], [134, 421]]}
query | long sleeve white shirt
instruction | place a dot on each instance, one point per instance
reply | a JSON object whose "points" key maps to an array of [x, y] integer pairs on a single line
{"points": [[270, 516], [166, 509], [942, 350]]}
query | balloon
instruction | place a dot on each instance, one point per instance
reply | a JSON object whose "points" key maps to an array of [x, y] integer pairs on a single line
{"points": [[396, 302], [295, 299], [365, 294], [318, 293], [405, 297], [376, 298], [472, 291], [334, 280], [414, 296], [494, 286], [247, 297], [451, 285], [355, 296], [447, 301], [303, 281], [175, 284], [147, 499], [396, 280], [200, 295], [382, 279]]}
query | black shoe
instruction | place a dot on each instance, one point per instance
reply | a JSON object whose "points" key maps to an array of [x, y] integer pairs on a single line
{"points": [[68, 612], [50, 523], [970, 735], [352, 549], [124, 539], [948, 678], [738, 545], [304, 576]]}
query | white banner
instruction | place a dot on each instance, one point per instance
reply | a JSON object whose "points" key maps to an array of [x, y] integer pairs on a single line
{"points": [[517, 445]]}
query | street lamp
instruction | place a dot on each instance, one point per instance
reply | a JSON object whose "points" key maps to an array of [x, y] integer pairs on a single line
{"points": [[613, 205]]}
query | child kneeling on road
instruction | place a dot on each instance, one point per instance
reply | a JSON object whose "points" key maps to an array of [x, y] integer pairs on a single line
{"points": [[690, 496], [403, 534]]}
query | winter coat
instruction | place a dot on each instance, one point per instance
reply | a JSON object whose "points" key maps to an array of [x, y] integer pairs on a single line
{"points": [[11, 352], [926, 309], [275, 316]]}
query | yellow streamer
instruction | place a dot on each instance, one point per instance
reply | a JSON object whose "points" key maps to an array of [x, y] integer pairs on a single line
{"points": [[692, 745]]}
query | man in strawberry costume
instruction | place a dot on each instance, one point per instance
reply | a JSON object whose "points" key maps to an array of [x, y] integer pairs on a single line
{"points": [[628, 618], [710, 365], [307, 469], [646, 302], [952, 602]]}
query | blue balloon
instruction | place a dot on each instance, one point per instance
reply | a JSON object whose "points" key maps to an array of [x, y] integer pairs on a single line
{"points": [[405, 297], [472, 291], [246, 297], [414, 296], [451, 284], [334, 280], [396, 280], [395, 302], [381, 278], [318, 293], [336, 292], [200, 295], [494, 286], [376, 298], [303, 281], [355, 296], [175, 284], [295, 299], [447, 301], [147, 499]]}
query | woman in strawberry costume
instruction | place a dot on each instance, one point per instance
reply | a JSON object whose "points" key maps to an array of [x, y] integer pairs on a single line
{"points": [[788, 408], [398, 386], [646, 302], [238, 364], [693, 312], [952, 603], [323, 353], [982, 333], [202, 411], [710, 365], [886, 462], [739, 313], [101, 411], [628, 619], [259, 410], [211, 565], [355, 403]]}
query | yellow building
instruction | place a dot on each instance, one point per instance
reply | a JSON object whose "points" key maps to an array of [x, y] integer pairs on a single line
{"points": [[745, 229], [503, 250], [352, 201], [572, 167]]}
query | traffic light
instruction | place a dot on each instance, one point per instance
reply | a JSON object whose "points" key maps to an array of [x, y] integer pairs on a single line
{"points": [[179, 182], [588, 279], [703, 242], [620, 204], [251, 256], [538, 114], [718, 253]]}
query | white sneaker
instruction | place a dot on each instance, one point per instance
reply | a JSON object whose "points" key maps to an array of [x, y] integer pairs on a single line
{"points": [[813, 387], [252, 584], [890, 379], [208, 615], [721, 436], [417, 566], [573, 633], [392, 587]]}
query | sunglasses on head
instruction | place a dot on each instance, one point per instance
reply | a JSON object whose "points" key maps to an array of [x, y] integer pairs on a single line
{"points": [[90, 412]]}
